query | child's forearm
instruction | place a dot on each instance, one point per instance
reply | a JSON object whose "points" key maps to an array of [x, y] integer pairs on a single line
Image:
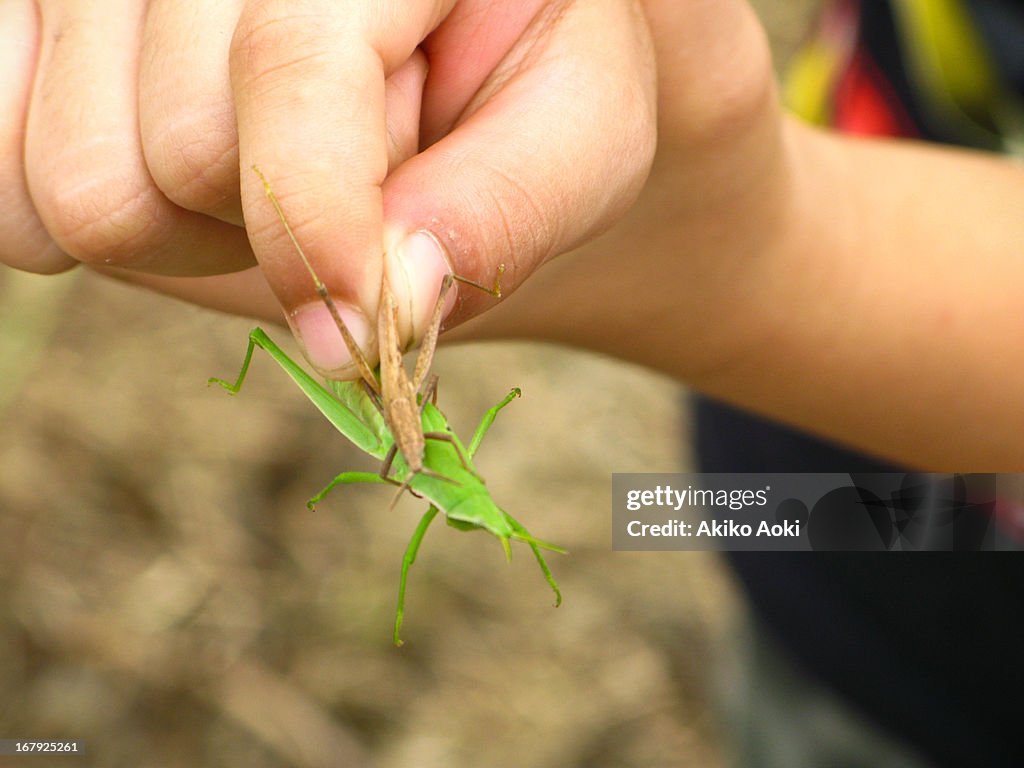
{"points": [[868, 291], [896, 320]]}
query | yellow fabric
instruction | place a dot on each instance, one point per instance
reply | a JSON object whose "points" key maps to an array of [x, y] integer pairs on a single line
{"points": [[947, 53], [953, 70], [807, 88], [946, 60]]}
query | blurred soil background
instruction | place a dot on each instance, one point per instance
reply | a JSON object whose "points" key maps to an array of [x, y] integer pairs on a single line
{"points": [[166, 596]]}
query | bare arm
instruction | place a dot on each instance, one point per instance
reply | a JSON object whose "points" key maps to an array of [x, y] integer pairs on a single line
{"points": [[869, 291]]}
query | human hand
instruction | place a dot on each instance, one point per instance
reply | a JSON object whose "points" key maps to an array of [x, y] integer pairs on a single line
{"points": [[668, 285], [123, 133], [842, 285]]}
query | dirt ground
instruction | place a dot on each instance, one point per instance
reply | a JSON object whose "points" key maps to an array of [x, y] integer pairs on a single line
{"points": [[166, 597]]}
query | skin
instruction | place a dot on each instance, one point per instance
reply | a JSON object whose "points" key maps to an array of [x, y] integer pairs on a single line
{"points": [[868, 291], [447, 133], [765, 264]]}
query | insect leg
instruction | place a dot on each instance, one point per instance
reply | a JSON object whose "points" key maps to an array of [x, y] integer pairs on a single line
{"points": [[410, 557], [234, 388], [374, 396], [385, 475], [429, 392], [494, 290], [425, 357], [389, 460], [347, 478], [488, 419], [429, 342], [535, 544]]}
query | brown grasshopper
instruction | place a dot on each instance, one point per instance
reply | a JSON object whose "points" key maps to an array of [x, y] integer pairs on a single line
{"points": [[389, 413], [398, 397]]}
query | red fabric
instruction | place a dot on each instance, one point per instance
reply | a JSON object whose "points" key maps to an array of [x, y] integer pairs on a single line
{"points": [[865, 104]]}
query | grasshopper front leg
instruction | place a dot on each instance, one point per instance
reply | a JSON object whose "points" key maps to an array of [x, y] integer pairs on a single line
{"points": [[362, 434], [347, 478], [235, 388], [488, 420]]}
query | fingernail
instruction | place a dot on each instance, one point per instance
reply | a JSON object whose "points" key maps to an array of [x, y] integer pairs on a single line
{"points": [[422, 260], [322, 342]]}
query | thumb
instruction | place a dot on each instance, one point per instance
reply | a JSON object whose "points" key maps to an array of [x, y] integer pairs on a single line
{"points": [[553, 148]]}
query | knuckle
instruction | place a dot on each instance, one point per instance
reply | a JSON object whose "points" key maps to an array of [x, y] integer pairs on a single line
{"points": [[193, 161], [34, 252], [24, 242], [497, 219], [724, 105], [48, 259], [527, 227], [268, 42], [104, 219]]}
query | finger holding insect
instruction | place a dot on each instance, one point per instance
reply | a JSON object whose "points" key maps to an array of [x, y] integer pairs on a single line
{"points": [[247, 292], [187, 123], [517, 181], [309, 84]]}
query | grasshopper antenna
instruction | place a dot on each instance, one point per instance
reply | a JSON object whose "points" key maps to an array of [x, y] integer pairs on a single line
{"points": [[353, 348]]}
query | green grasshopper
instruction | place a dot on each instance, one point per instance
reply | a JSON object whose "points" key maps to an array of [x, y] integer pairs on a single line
{"points": [[426, 458]]}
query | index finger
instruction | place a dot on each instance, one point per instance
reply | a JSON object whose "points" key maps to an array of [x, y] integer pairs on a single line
{"points": [[308, 81]]}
